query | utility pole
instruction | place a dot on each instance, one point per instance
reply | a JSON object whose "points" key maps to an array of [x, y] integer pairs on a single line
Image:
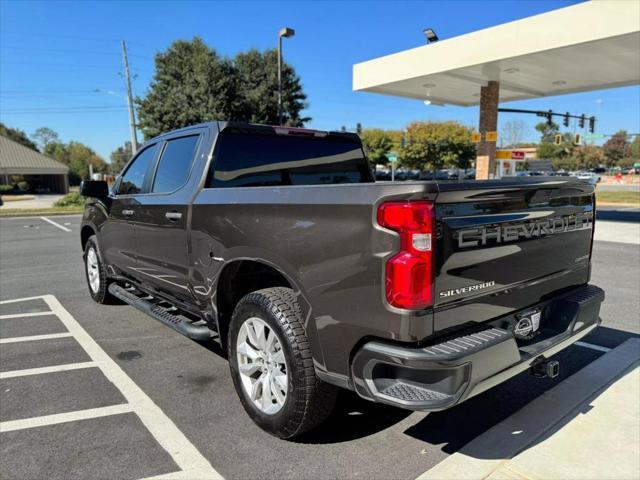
{"points": [[132, 117]]}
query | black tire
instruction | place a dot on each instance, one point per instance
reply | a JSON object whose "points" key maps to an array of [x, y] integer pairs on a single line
{"points": [[309, 400], [101, 295]]}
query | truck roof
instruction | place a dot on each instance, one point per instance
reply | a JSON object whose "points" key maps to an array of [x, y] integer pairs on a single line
{"points": [[283, 130]]}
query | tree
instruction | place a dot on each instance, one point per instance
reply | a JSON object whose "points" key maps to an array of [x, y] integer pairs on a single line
{"points": [[258, 89], [17, 136], [192, 84], [634, 148], [119, 157], [377, 144], [587, 157], [547, 131], [81, 156], [615, 148], [78, 157], [436, 144], [44, 136], [547, 148], [512, 133]]}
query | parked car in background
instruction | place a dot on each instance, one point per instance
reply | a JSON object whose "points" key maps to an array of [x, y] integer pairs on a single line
{"points": [[587, 177], [383, 175]]}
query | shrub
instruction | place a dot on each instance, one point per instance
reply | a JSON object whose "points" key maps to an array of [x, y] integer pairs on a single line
{"points": [[23, 186], [73, 199], [5, 188]]}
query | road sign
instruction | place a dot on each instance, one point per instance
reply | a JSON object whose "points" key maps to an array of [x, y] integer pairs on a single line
{"points": [[491, 136], [510, 155], [476, 137], [392, 157], [593, 136]]}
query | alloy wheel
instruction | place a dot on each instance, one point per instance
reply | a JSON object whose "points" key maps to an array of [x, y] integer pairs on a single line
{"points": [[262, 365], [93, 270]]}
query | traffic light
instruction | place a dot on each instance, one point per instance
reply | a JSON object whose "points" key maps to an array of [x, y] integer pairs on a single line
{"points": [[358, 128], [558, 139], [577, 140], [581, 121], [565, 120], [592, 124], [550, 117]]}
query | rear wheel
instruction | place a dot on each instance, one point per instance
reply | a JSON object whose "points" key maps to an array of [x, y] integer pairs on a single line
{"points": [[272, 367], [96, 275]]}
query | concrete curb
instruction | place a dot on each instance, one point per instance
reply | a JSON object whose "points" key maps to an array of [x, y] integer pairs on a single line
{"points": [[489, 452]]}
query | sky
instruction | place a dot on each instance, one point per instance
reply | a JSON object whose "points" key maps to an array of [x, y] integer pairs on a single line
{"points": [[61, 63]]}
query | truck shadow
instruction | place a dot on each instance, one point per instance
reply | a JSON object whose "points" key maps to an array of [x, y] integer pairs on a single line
{"points": [[354, 418], [454, 428], [451, 429]]}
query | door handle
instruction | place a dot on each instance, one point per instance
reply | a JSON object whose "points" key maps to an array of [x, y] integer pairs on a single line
{"points": [[127, 213], [173, 216]]}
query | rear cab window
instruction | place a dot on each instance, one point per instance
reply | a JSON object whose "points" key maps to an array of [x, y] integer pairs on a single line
{"points": [[246, 159], [175, 164]]}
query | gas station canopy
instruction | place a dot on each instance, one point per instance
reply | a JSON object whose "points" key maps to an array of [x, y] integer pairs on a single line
{"points": [[588, 46]]}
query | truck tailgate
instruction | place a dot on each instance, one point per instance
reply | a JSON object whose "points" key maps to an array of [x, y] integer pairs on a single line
{"points": [[502, 246]]}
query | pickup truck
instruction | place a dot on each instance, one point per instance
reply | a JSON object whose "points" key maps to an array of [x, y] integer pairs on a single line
{"points": [[279, 244]]}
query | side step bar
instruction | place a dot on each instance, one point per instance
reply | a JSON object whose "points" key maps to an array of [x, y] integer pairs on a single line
{"points": [[181, 325]]}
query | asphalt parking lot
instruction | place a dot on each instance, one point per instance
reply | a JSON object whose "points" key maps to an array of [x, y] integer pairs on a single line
{"points": [[107, 392]]}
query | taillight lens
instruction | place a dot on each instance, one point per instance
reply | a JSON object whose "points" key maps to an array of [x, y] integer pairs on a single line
{"points": [[409, 273]]}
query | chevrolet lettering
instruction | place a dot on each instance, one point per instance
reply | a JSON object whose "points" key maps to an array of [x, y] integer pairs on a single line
{"points": [[473, 237]]}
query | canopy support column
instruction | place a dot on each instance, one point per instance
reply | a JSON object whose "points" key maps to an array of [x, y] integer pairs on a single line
{"points": [[486, 156]]}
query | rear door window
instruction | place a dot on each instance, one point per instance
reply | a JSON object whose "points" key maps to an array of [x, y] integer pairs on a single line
{"points": [[252, 160], [175, 164], [133, 179]]}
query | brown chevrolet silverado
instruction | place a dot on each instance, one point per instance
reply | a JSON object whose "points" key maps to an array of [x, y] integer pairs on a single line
{"points": [[278, 243]]}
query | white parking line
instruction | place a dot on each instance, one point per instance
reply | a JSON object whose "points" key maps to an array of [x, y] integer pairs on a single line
{"points": [[20, 315], [52, 369], [45, 420], [18, 300], [592, 346], [165, 432], [55, 224], [31, 338]]}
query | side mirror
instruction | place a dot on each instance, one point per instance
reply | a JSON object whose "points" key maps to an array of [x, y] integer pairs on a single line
{"points": [[94, 188]]}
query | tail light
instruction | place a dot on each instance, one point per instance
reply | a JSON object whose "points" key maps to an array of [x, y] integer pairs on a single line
{"points": [[409, 273]]}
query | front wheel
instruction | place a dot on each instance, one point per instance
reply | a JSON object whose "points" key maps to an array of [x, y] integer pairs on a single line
{"points": [[271, 365], [96, 275]]}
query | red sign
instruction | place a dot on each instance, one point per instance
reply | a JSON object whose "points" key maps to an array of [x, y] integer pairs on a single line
{"points": [[515, 155]]}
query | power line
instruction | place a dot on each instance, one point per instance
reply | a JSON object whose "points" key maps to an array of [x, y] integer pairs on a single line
{"points": [[74, 51], [118, 111], [62, 109]]}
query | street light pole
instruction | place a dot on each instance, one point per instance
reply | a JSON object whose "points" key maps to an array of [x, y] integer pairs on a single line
{"points": [[286, 33]]}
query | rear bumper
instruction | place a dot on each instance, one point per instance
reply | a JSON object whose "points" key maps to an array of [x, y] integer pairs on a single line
{"points": [[439, 376]]}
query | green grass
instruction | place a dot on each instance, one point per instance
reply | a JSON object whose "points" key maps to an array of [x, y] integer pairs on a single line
{"points": [[36, 212], [628, 197]]}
